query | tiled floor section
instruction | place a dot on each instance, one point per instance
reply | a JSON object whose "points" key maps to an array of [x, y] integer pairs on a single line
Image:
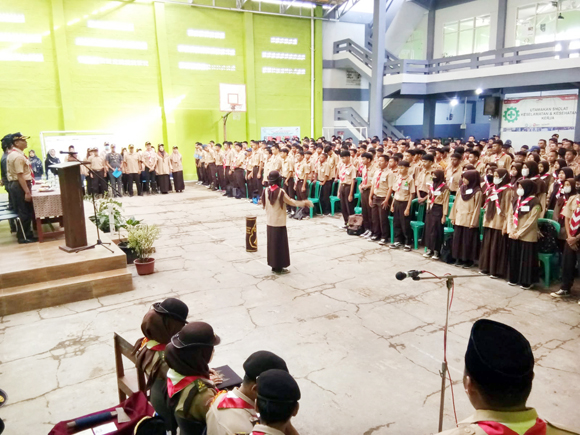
{"points": [[365, 348]]}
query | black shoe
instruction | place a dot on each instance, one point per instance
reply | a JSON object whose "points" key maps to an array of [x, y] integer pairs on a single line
{"points": [[24, 242]]}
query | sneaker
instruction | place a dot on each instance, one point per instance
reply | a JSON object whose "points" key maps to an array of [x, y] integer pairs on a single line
{"points": [[458, 263], [408, 248], [513, 284], [383, 242], [468, 265], [428, 254], [396, 245], [482, 272], [435, 256], [560, 294], [344, 227], [373, 239], [494, 277], [365, 233], [326, 214], [528, 287], [369, 235]]}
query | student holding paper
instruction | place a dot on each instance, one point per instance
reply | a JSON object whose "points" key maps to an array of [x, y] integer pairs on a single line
{"points": [[114, 161]]}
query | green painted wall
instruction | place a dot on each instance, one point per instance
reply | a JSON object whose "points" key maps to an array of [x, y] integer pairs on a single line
{"points": [[159, 102]]}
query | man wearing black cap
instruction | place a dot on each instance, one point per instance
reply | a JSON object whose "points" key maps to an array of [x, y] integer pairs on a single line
{"points": [[234, 412], [7, 149], [277, 402], [499, 369]]}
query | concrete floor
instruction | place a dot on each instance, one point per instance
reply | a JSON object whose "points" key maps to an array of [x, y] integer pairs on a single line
{"points": [[365, 348]]}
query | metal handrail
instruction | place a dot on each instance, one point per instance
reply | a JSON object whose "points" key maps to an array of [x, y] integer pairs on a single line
{"points": [[356, 120]]}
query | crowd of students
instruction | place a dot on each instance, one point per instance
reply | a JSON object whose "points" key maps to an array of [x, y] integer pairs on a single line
{"points": [[489, 196]]}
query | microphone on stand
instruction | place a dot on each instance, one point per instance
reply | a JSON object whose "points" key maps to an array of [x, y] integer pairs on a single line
{"points": [[68, 152], [414, 274]]}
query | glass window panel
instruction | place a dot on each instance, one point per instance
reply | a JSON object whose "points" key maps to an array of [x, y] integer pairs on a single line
{"points": [[482, 21], [545, 28], [526, 12], [451, 27], [466, 24], [481, 39], [450, 44], [546, 7], [569, 27], [465, 42], [569, 5]]}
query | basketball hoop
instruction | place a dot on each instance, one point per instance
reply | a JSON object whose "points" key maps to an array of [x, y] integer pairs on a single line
{"points": [[234, 107]]}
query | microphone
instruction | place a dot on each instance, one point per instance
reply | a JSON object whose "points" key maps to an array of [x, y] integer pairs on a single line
{"points": [[68, 152], [410, 274]]}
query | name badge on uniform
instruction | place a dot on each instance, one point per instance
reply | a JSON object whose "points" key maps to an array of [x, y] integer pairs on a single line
{"points": [[493, 198], [525, 208], [384, 177], [347, 172], [437, 193], [405, 187], [469, 191]]}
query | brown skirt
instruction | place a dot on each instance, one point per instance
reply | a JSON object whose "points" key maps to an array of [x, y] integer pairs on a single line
{"points": [[434, 230], [278, 250], [523, 267], [465, 243], [494, 253], [178, 183], [163, 183]]}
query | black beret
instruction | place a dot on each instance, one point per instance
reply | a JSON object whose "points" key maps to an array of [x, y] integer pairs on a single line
{"points": [[172, 307], [261, 361], [278, 386], [195, 334], [150, 426], [498, 355]]}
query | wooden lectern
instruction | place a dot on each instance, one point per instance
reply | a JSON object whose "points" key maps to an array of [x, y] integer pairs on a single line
{"points": [[71, 193]]}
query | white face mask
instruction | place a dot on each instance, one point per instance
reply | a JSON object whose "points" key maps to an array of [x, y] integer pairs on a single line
{"points": [[497, 180], [567, 189], [520, 192], [525, 172]]}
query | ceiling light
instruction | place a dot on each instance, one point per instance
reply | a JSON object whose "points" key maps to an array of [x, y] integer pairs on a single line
{"points": [[271, 70], [454, 102], [478, 91], [197, 33], [200, 49], [111, 25], [289, 56], [20, 57], [111, 43], [205, 66], [558, 47], [11, 18], [287, 41], [96, 60], [22, 38]]}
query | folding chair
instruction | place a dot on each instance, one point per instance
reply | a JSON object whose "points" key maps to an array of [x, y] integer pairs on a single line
{"points": [[7, 215]]}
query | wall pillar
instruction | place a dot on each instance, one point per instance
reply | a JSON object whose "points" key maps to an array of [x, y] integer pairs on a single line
{"points": [[429, 107], [501, 23], [318, 101], [430, 34], [378, 66], [577, 129], [495, 122], [250, 78]]}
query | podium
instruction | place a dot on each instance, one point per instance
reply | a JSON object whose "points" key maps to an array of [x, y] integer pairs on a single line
{"points": [[71, 193]]}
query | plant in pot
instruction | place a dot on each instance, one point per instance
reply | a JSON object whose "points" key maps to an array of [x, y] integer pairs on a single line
{"points": [[141, 239], [123, 242]]}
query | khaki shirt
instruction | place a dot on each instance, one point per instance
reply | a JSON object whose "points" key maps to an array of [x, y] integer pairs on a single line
{"points": [[571, 206], [266, 430], [480, 167], [499, 221], [346, 174], [230, 421], [302, 170], [404, 187], [208, 156], [149, 158], [17, 163], [441, 198], [176, 162], [276, 163], [470, 425], [453, 177], [163, 166], [324, 171], [527, 229], [132, 161], [287, 167], [228, 157], [238, 160], [334, 161], [502, 160], [466, 213], [219, 157], [97, 163], [276, 215], [381, 183], [422, 178]]}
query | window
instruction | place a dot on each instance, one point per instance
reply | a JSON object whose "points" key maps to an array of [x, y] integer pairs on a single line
{"points": [[538, 22], [467, 36]]}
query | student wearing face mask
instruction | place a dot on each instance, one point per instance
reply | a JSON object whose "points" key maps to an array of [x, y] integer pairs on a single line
{"points": [[437, 207], [524, 212], [494, 249], [487, 181], [557, 189], [530, 171], [515, 173], [465, 218], [568, 190]]}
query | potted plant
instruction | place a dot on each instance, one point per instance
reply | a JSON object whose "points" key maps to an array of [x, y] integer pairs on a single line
{"points": [[122, 241], [141, 239]]}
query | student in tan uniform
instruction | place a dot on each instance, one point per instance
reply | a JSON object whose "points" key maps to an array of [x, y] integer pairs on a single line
{"points": [[324, 178], [379, 198], [98, 165], [333, 160], [133, 165], [404, 189], [220, 166], [465, 219], [453, 173], [436, 215], [493, 258], [177, 170], [274, 200], [253, 170], [365, 193], [163, 169], [346, 177], [302, 169], [189, 388], [498, 376], [288, 176], [423, 177], [234, 412], [210, 167], [237, 171], [228, 161], [499, 156], [149, 160], [162, 321], [524, 212], [473, 158]]}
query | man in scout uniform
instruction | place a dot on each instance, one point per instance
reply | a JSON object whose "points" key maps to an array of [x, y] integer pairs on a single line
{"points": [[133, 164], [499, 369], [379, 201], [302, 170], [346, 176], [423, 177], [234, 412], [237, 171], [453, 173], [499, 156], [288, 175], [401, 208], [20, 184], [365, 191], [324, 178], [277, 403]]}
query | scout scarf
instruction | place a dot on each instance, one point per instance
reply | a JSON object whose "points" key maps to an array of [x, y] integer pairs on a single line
{"points": [[378, 182], [435, 191], [495, 194], [365, 174], [498, 157], [231, 401], [575, 220], [519, 206], [152, 344], [342, 174], [177, 382], [496, 428]]}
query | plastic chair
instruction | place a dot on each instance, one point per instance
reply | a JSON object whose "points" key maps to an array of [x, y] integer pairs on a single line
{"points": [[316, 187], [356, 188], [448, 230], [334, 196], [547, 260], [481, 214], [419, 224], [358, 208], [550, 214]]}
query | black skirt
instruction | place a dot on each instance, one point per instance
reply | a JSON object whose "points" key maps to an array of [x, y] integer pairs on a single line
{"points": [[178, 183], [163, 183], [523, 265], [278, 250], [465, 243], [494, 253], [434, 230]]}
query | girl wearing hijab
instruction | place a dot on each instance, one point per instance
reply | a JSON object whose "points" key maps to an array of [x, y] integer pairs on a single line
{"points": [[544, 168], [515, 173], [558, 164], [177, 170], [531, 171], [162, 321], [487, 184], [465, 218], [568, 189], [189, 388], [437, 208], [274, 200], [51, 159], [162, 170], [557, 189], [524, 212], [494, 249]]}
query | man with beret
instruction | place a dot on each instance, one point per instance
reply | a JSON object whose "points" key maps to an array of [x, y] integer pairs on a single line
{"points": [[234, 412], [277, 402], [499, 369]]}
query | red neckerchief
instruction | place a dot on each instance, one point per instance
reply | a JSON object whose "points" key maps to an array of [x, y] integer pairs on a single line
{"points": [[435, 190], [274, 188], [534, 178], [159, 346], [488, 186], [174, 389], [365, 174], [378, 182], [231, 401], [342, 174], [497, 191], [519, 205], [496, 428], [575, 219], [543, 177], [559, 189], [399, 182], [499, 156]]}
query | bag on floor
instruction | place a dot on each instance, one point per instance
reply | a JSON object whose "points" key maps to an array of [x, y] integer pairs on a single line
{"points": [[446, 250], [355, 225]]}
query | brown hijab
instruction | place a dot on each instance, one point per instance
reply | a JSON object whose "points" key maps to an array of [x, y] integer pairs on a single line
{"points": [[473, 185], [490, 210], [530, 189]]}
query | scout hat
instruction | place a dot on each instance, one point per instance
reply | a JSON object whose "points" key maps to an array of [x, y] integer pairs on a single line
{"points": [[261, 361], [19, 136], [173, 308], [273, 177], [277, 385], [195, 334]]}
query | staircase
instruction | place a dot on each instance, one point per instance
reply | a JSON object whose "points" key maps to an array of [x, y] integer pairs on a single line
{"points": [[350, 117]]}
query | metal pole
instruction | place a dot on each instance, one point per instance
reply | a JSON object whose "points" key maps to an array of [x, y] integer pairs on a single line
{"points": [[444, 363], [312, 72]]}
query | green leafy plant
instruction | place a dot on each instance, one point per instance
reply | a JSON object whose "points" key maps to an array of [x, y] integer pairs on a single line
{"points": [[119, 221], [141, 239]]}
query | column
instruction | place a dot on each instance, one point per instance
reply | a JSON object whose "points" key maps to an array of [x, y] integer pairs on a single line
{"points": [[318, 73], [430, 34], [429, 107], [577, 129], [501, 23], [250, 78], [378, 66]]}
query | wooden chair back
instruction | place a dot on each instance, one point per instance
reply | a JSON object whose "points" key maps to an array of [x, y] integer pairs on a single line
{"points": [[134, 379]]}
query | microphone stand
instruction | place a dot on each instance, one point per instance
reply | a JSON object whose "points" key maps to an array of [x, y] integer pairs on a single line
{"points": [[449, 280], [99, 241]]}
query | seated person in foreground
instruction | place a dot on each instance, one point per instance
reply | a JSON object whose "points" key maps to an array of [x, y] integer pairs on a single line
{"points": [[499, 369]]}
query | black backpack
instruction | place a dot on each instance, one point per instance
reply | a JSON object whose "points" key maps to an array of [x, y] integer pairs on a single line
{"points": [[446, 251], [548, 239]]}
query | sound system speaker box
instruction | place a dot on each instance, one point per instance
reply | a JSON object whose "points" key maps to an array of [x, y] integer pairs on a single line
{"points": [[491, 106]]}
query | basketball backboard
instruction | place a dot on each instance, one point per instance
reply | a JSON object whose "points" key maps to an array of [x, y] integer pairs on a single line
{"points": [[232, 98]]}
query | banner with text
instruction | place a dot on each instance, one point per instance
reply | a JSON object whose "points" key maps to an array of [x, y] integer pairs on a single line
{"points": [[280, 133], [525, 120]]}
